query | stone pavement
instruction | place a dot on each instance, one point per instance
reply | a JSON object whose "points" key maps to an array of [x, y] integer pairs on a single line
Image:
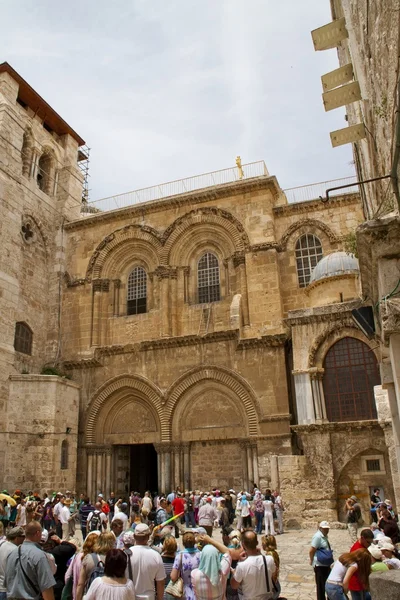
{"points": [[296, 574]]}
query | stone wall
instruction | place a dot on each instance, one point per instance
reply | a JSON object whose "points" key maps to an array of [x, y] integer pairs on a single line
{"points": [[216, 465], [372, 48], [31, 232], [41, 408]]}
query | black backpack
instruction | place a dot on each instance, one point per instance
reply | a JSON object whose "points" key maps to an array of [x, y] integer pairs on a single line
{"points": [[98, 571], [95, 521]]}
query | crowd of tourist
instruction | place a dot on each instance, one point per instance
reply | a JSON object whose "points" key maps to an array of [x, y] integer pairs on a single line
{"points": [[129, 547]]}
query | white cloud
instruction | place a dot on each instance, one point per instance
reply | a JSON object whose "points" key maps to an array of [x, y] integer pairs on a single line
{"points": [[163, 90]]}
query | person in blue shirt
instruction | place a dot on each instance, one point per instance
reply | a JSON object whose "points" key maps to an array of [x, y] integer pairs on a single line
{"points": [[320, 541]]}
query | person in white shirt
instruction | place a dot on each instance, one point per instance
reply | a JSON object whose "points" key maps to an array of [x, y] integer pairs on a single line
{"points": [[98, 517], [120, 513], [207, 516], [64, 516], [147, 567], [268, 513], [147, 502], [254, 574]]}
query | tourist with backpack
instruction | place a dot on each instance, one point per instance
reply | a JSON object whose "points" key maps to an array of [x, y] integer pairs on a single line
{"points": [[97, 519], [113, 584], [93, 564]]}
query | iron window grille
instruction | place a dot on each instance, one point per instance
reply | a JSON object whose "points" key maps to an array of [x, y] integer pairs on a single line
{"points": [[23, 338], [64, 455], [137, 292], [373, 464], [208, 281], [351, 372], [308, 254]]}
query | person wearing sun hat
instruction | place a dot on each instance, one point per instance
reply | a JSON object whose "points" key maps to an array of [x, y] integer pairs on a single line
{"points": [[389, 557], [320, 542], [377, 559]]}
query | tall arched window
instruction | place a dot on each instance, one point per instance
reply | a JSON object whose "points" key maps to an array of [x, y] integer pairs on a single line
{"points": [[351, 372], [308, 254], [208, 279], [137, 292], [45, 173], [23, 338], [64, 455]]}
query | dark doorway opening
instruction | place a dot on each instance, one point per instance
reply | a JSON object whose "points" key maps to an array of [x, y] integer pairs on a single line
{"points": [[143, 468]]}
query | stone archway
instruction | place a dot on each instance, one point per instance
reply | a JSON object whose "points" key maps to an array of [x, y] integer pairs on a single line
{"points": [[125, 412], [213, 415]]}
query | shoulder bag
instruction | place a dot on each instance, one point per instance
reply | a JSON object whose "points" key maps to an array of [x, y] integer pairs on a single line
{"points": [[325, 556], [175, 588]]}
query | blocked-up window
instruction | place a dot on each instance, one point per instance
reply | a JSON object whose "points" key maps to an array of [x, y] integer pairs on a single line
{"points": [[137, 292], [23, 338], [64, 454], [208, 281], [351, 372], [308, 254]]}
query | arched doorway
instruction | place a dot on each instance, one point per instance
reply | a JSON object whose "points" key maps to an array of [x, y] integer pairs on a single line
{"points": [[122, 428], [350, 374]]}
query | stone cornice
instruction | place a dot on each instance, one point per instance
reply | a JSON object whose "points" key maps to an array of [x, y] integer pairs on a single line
{"points": [[83, 363], [275, 418], [321, 314], [174, 342], [309, 205], [266, 340], [345, 426], [197, 196]]}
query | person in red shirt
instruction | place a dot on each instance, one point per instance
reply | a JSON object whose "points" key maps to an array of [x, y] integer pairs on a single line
{"points": [[356, 588], [178, 504]]}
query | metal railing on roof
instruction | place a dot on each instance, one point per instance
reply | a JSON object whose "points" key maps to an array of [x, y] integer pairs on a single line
{"points": [[180, 186], [314, 191]]}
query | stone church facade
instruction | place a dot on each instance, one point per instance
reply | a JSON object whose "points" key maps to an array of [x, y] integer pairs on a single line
{"points": [[202, 346]]}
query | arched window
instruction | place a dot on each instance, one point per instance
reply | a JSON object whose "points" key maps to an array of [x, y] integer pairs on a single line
{"points": [[351, 372], [64, 454], [44, 174], [23, 338], [137, 292], [208, 279], [308, 254]]}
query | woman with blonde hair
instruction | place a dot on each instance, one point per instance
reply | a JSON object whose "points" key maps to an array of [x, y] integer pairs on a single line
{"points": [[75, 565], [168, 554], [103, 543], [185, 561], [269, 546], [337, 584]]}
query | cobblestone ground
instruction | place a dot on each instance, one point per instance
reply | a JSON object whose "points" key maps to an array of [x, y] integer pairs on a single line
{"points": [[296, 574]]}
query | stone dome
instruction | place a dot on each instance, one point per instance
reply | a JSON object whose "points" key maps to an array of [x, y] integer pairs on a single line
{"points": [[337, 263]]}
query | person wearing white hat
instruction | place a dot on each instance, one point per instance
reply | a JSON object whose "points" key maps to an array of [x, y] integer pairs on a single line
{"points": [[321, 567], [147, 566], [377, 562], [389, 557]]}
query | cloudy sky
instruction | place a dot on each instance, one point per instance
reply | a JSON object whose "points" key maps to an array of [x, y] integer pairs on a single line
{"points": [[162, 90]]}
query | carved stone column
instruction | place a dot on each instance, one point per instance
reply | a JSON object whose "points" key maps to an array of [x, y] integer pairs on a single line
{"points": [[186, 465], [239, 262], [255, 462], [99, 286], [250, 474], [116, 297], [162, 274], [164, 464], [273, 460], [245, 472], [89, 475], [176, 458]]}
